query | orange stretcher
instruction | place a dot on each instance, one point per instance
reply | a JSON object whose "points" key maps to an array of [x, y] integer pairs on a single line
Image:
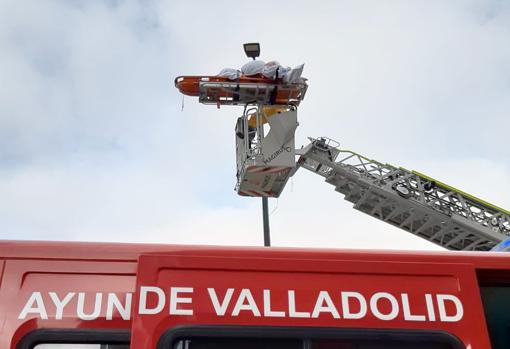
{"points": [[245, 90]]}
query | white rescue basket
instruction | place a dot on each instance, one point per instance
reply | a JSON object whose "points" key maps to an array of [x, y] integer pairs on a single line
{"points": [[265, 161]]}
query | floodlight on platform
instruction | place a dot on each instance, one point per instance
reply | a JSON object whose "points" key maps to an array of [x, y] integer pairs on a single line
{"points": [[252, 49]]}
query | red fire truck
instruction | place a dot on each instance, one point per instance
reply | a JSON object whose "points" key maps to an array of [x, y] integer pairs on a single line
{"points": [[117, 296]]}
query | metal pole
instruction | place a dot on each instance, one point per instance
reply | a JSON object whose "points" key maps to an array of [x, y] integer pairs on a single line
{"points": [[265, 217]]}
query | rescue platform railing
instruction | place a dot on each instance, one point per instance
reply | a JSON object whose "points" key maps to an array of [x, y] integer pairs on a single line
{"points": [[234, 93]]}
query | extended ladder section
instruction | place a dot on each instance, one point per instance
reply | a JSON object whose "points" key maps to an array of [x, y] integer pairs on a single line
{"points": [[407, 199]]}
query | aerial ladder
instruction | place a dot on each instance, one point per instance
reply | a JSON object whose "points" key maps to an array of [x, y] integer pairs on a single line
{"points": [[408, 199], [266, 159]]}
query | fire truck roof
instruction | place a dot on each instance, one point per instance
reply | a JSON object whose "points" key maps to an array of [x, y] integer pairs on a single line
{"points": [[102, 251]]}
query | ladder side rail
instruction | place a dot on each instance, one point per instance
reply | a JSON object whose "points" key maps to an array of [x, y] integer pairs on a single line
{"points": [[447, 200], [457, 203]]}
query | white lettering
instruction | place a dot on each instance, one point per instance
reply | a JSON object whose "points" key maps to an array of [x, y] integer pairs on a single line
{"points": [[292, 307], [441, 298], [406, 308], [320, 307], [220, 309], [114, 301], [346, 308], [430, 307], [175, 300], [60, 304], [267, 306], [251, 305], [34, 305], [152, 300], [142, 308], [80, 310], [375, 309]]}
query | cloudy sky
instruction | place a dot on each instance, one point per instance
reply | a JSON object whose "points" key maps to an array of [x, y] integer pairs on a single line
{"points": [[94, 144]]}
